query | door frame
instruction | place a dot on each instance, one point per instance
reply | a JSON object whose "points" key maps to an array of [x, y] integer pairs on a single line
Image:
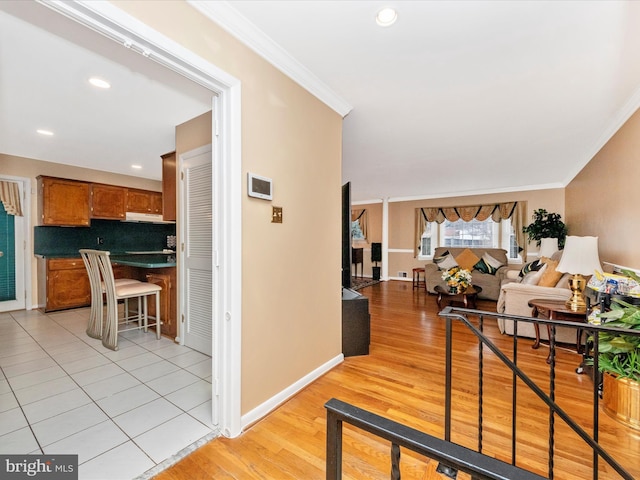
{"points": [[107, 19], [25, 198]]}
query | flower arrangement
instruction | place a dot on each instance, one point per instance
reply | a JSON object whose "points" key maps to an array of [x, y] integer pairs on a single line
{"points": [[458, 279]]}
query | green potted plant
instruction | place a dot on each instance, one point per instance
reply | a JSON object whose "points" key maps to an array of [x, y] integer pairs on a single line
{"points": [[546, 225], [619, 362]]}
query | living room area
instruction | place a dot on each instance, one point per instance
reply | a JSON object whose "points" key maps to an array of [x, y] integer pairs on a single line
{"points": [[596, 202]]}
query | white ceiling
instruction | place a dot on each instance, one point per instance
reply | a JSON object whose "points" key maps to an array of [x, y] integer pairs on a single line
{"points": [[457, 97], [46, 60]]}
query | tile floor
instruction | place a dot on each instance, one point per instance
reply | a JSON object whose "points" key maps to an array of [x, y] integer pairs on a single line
{"points": [[125, 413]]}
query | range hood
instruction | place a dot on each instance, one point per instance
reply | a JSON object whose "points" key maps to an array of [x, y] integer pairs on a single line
{"points": [[144, 217]]}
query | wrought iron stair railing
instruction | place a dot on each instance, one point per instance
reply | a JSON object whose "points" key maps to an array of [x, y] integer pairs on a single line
{"points": [[452, 314], [455, 457]]}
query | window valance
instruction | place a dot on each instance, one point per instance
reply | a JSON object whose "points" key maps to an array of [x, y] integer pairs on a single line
{"points": [[362, 218], [10, 198], [516, 211]]}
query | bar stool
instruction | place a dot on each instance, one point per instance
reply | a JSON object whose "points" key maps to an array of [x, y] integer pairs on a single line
{"points": [[94, 327], [417, 281], [138, 290]]}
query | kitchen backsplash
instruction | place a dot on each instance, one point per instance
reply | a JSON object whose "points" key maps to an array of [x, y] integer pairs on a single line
{"points": [[116, 236]]}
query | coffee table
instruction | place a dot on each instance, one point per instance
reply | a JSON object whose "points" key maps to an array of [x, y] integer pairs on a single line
{"points": [[466, 298]]}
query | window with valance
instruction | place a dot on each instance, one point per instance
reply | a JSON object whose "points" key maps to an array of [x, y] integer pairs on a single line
{"points": [[514, 211]]}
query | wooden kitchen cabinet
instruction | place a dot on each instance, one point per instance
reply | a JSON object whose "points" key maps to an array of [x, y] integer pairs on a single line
{"points": [[144, 201], [63, 202], [66, 284], [108, 201], [168, 307], [156, 202], [169, 186]]}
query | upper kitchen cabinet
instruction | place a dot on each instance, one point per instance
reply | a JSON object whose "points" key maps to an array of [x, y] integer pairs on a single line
{"points": [[63, 202], [169, 186], [108, 201], [144, 201]]}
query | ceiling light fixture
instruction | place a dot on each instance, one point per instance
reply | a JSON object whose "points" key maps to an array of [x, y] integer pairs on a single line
{"points": [[136, 167], [42, 131], [386, 17], [98, 82]]}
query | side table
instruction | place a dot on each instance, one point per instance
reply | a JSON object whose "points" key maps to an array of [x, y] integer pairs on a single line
{"points": [[556, 310], [467, 298]]}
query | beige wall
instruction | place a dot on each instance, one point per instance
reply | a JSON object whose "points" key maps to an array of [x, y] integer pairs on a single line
{"points": [[603, 198], [402, 221], [29, 168], [291, 306]]}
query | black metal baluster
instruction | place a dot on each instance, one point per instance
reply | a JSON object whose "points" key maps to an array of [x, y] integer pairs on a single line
{"points": [[334, 446], [447, 393], [480, 383], [395, 461], [552, 396], [514, 398]]}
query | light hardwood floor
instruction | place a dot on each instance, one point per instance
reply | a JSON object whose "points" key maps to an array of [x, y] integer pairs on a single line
{"points": [[403, 379]]}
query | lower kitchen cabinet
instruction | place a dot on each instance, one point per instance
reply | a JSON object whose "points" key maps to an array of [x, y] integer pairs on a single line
{"points": [[63, 283], [168, 307]]}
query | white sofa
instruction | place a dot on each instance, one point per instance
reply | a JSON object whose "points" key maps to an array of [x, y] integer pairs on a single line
{"points": [[514, 300]]}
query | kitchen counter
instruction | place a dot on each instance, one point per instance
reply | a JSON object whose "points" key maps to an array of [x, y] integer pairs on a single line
{"points": [[132, 259], [145, 260]]}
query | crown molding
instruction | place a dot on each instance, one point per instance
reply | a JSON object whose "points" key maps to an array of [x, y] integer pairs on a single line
{"points": [[227, 17]]}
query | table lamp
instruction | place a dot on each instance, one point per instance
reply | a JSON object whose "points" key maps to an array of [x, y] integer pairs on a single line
{"points": [[548, 246], [580, 257]]}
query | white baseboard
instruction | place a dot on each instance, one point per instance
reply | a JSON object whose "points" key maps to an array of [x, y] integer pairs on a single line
{"points": [[274, 402]]}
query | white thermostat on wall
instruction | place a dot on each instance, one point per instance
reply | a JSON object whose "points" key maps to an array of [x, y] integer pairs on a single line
{"points": [[259, 187]]}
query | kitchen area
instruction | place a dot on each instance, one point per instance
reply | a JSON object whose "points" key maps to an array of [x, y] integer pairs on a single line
{"points": [[136, 226]]}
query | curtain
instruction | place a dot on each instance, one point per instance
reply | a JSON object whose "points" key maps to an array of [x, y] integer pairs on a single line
{"points": [[10, 198], [362, 218], [516, 211], [518, 219]]}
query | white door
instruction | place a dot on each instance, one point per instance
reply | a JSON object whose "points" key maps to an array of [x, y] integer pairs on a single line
{"points": [[12, 256], [197, 249]]}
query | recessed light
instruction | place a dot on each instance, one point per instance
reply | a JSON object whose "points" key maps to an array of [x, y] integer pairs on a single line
{"points": [[98, 82], [136, 167], [42, 131], [386, 17]]}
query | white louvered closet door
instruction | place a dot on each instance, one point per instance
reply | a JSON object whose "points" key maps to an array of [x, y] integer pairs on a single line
{"points": [[198, 257]]}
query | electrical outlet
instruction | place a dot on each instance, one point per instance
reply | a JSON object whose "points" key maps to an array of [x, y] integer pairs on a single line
{"points": [[100, 241]]}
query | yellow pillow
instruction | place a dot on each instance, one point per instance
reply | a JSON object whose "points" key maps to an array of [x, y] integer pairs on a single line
{"points": [[550, 276], [467, 259]]}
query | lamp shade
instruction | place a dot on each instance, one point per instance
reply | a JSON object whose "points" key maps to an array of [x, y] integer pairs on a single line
{"points": [[548, 246], [580, 256]]}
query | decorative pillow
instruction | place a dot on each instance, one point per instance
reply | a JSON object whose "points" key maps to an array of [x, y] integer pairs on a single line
{"points": [[531, 267], [446, 261], [533, 277], [564, 281], [441, 257], [467, 259], [550, 276], [482, 267], [492, 263]]}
